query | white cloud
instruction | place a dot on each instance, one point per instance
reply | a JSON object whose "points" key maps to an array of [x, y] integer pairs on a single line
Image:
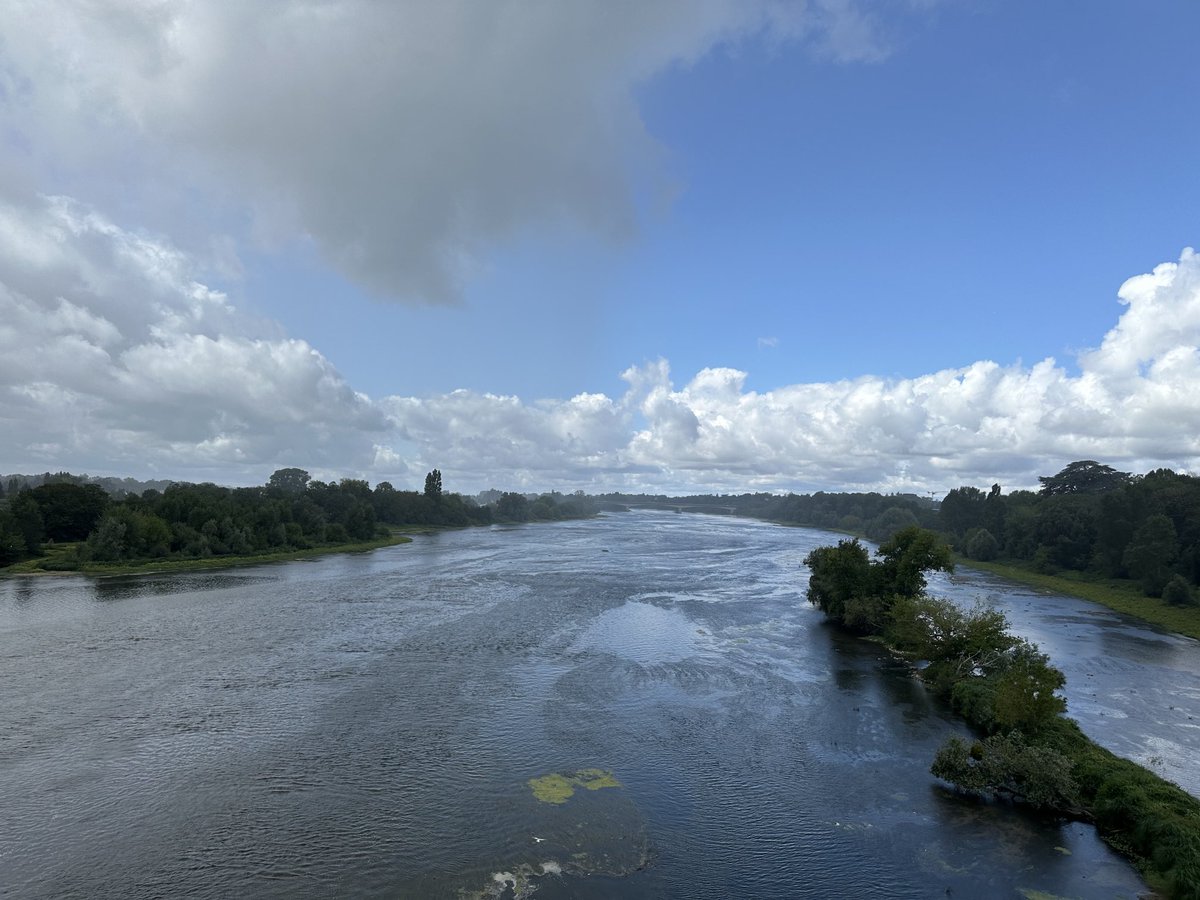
{"points": [[404, 139], [1134, 404], [113, 357]]}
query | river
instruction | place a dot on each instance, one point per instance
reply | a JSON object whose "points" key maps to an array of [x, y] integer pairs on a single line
{"points": [[369, 726]]}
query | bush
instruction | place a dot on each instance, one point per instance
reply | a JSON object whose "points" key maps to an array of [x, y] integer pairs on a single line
{"points": [[1007, 766], [1178, 592], [982, 545]]}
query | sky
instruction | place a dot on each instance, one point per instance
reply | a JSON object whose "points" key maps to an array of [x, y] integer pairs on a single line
{"points": [[669, 246]]}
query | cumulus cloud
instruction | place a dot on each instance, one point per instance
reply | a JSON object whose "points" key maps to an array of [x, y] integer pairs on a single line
{"points": [[404, 139], [1134, 403], [112, 355]]}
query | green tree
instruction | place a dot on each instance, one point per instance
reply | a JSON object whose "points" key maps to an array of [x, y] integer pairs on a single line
{"points": [[907, 556], [12, 541], [1085, 476], [1151, 552], [512, 507], [69, 511], [1026, 697], [837, 575], [1178, 592], [290, 481], [1007, 766], [107, 543], [958, 644], [887, 523], [1066, 527], [982, 545], [962, 510], [27, 516], [433, 486]]}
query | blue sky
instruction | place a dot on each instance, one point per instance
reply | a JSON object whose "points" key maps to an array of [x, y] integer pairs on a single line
{"points": [[669, 246], [979, 194]]}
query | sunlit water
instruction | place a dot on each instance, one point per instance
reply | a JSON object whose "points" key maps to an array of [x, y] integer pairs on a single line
{"points": [[367, 726]]}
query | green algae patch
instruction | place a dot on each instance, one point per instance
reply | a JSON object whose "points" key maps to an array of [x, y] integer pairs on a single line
{"points": [[552, 788], [557, 788], [1031, 894]]}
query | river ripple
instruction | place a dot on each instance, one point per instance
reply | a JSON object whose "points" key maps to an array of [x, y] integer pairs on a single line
{"points": [[367, 726]]}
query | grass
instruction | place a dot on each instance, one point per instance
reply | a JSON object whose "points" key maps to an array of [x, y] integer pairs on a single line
{"points": [[1122, 596], [57, 558]]}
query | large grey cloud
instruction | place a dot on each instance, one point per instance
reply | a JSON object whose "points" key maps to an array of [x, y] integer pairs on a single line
{"points": [[404, 139]]}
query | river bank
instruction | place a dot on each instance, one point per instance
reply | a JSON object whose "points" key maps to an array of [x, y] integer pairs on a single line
{"points": [[1121, 596], [52, 563]]}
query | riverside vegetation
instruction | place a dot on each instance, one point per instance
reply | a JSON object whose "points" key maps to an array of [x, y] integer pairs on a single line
{"points": [[1129, 542], [1027, 751], [62, 524]]}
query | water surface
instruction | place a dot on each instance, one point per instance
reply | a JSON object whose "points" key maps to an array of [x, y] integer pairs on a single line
{"points": [[368, 726]]}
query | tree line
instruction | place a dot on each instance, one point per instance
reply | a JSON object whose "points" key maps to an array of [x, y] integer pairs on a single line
{"points": [[290, 512], [1088, 517]]}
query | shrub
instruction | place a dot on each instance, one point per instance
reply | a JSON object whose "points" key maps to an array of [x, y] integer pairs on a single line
{"points": [[1007, 766], [982, 545], [1178, 592]]}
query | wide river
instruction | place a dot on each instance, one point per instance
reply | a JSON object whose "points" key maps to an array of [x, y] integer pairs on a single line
{"points": [[369, 726]]}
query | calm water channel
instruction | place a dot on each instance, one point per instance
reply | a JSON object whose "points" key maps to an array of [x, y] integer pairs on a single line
{"points": [[368, 726]]}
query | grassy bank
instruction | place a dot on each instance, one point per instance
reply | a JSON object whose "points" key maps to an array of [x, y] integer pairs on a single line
{"points": [[1123, 596], [57, 559]]}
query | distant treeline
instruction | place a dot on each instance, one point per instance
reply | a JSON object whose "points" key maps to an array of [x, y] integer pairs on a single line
{"points": [[1087, 518], [194, 521], [114, 487]]}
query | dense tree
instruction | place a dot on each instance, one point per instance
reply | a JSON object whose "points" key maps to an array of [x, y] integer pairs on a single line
{"points": [[27, 517], [890, 521], [12, 541], [433, 486], [837, 575], [907, 556], [69, 511], [1086, 476], [982, 545], [1008, 766], [858, 592], [1178, 592], [290, 481], [962, 510], [1026, 688], [512, 507], [1066, 529], [1150, 553]]}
